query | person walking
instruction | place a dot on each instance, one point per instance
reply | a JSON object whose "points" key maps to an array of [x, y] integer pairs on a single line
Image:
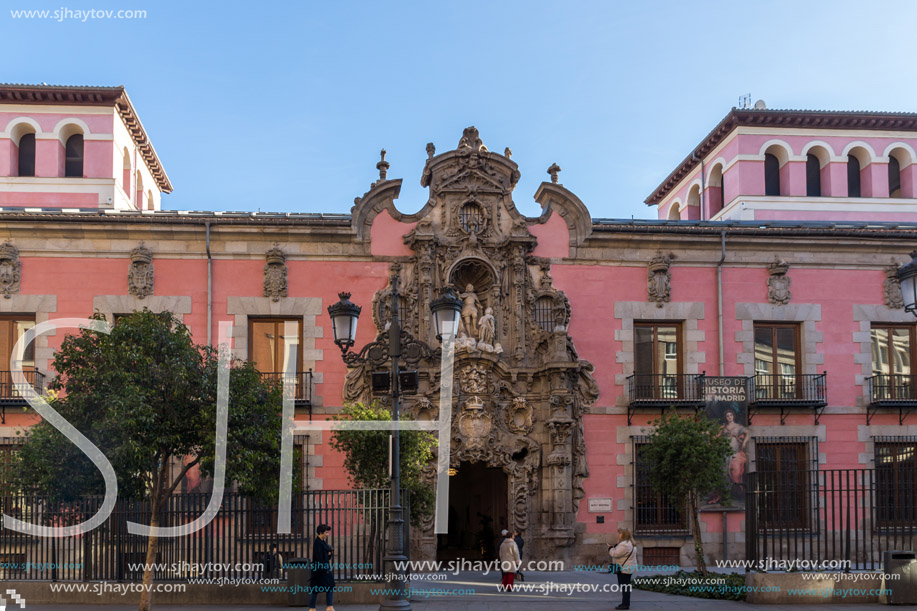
{"points": [[272, 566], [624, 558], [520, 543], [509, 560], [322, 573]]}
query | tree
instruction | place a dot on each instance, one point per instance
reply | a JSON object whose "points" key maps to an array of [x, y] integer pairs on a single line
{"points": [[145, 394], [687, 457], [366, 456]]}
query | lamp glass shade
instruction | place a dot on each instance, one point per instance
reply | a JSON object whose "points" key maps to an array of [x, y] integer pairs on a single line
{"points": [[446, 309], [344, 317], [907, 276]]}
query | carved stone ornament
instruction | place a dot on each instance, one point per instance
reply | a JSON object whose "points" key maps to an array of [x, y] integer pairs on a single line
{"points": [[519, 416], [9, 270], [893, 297], [275, 274], [140, 274], [778, 284], [659, 279], [474, 424]]}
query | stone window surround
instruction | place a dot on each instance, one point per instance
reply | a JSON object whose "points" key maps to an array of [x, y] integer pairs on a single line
{"points": [[866, 315], [819, 432], [867, 434], [805, 313], [41, 306], [309, 308], [687, 313], [109, 305]]}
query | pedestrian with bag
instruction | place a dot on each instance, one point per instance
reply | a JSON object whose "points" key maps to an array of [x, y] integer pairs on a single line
{"points": [[322, 573], [509, 560], [520, 543], [624, 563]]}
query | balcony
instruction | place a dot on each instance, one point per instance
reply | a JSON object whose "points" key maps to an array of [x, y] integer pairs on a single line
{"points": [[11, 393], [892, 390], [664, 390], [785, 391], [302, 385]]}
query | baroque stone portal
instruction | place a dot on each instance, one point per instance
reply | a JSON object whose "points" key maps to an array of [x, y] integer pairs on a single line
{"points": [[520, 388]]}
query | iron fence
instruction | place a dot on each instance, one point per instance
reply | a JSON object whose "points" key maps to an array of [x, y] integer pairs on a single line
{"points": [[232, 545], [850, 516]]}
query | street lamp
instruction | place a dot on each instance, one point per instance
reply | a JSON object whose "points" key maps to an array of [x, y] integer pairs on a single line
{"points": [[907, 276], [397, 345]]}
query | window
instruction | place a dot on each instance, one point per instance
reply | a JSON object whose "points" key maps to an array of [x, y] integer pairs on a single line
{"points": [[853, 176], [471, 216], [657, 360], [652, 511], [776, 361], [813, 176], [771, 175], [73, 166], [896, 481], [27, 155], [544, 313], [894, 177], [266, 347], [892, 354], [784, 466], [9, 446]]}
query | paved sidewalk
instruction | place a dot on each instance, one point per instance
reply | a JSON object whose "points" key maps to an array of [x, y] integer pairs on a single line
{"points": [[486, 598]]}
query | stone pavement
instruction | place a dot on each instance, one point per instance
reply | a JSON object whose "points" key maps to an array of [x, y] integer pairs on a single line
{"points": [[486, 598]]}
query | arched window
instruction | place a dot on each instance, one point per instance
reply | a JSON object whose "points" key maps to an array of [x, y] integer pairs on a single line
{"points": [[813, 176], [674, 214], [149, 201], [27, 155], [126, 174], [853, 176], [73, 166], [894, 177], [715, 194], [771, 175]]}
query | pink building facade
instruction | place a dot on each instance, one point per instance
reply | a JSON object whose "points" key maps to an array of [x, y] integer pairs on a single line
{"points": [[598, 324]]}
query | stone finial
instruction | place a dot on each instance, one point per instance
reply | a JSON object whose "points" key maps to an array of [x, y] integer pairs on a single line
{"points": [[553, 171], [508, 153], [778, 284], [431, 150], [471, 139], [659, 279], [275, 274], [140, 274], [383, 166], [893, 297], [10, 267]]}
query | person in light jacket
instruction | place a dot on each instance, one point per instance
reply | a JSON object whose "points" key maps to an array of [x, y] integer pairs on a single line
{"points": [[624, 553], [509, 560]]}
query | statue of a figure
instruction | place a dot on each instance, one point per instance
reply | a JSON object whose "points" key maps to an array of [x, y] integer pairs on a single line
{"points": [[470, 308], [486, 328]]}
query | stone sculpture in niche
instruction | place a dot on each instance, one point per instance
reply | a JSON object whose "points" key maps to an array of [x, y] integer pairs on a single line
{"points": [[778, 284], [893, 297], [275, 274], [140, 274], [9, 270], [659, 279]]}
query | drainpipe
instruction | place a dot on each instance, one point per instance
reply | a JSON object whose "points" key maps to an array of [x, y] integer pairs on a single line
{"points": [[719, 300], [209, 288]]}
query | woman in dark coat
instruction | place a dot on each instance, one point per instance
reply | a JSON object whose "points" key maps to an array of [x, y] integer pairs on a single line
{"points": [[322, 574]]}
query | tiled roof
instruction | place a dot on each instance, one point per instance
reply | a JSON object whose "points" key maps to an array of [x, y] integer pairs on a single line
{"points": [[818, 119], [15, 93]]}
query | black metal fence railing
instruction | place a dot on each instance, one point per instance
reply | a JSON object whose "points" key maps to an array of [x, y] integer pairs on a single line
{"points": [[892, 388], [807, 389], [302, 383], [232, 545], [848, 517], [665, 389], [11, 390]]}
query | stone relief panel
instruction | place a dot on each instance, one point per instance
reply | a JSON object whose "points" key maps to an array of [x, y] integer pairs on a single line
{"points": [[275, 274], [892, 288], [778, 283], [140, 274], [10, 267], [659, 279]]}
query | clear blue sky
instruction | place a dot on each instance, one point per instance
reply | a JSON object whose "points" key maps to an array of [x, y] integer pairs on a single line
{"points": [[284, 106]]}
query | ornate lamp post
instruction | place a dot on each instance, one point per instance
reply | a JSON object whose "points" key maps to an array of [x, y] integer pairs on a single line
{"points": [[907, 276], [344, 315]]}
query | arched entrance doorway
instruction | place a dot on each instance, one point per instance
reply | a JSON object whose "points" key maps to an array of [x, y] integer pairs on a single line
{"points": [[477, 513]]}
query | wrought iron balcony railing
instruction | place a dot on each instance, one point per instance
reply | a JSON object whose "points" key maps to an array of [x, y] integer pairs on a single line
{"points": [[795, 389], [892, 390], [11, 391], [302, 384], [664, 390]]}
